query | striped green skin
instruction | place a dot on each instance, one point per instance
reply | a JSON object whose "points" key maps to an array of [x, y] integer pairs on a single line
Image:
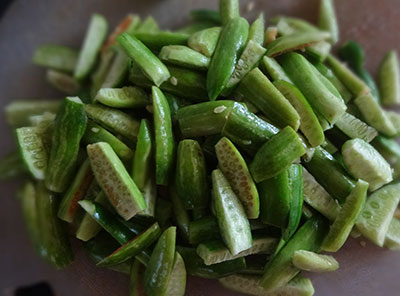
{"points": [[55, 246], [294, 41], [184, 56], [234, 168], [118, 70], [205, 41], [313, 262], [232, 219], [136, 287], [56, 57], [272, 68], [177, 280], [158, 271], [153, 68], [115, 181], [32, 150], [125, 97], [230, 45], [375, 217], [195, 265], [203, 229], [69, 203], [389, 79], [308, 80], [258, 90], [181, 215], [191, 175], [95, 133], [95, 35], [330, 174], [256, 31], [114, 120], [280, 270], [164, 138], [276, 155], [327, 20], [347, 216], [309, 124], [156, 40], [133, 247], [228, 10], [247, 130], [69, 127], [63, 82], [204, 119], [143, 160]]}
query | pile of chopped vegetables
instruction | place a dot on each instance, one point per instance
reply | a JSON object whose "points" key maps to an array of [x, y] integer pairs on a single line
{"points": [[223, 150]]}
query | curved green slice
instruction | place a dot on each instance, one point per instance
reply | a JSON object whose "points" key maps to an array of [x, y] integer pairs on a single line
{"points": [[125, 97], [184, 56], [389, 79], [272, 68], [310, 261], [392, 239], [344, 222], [355, 128], [234, 168], [177, 280], [327, 20], [377, 213], [205, 41]]}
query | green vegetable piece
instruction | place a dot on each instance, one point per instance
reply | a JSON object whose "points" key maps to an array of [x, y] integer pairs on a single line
{"points": [[388, 148], [214, 252], [158, 271], [184, 56], [95, 133], [69, 127], [208, 15], [133, 247], [276, 155], [136, 287], [164, 138], [249, 284], [76, 191], [228, 10], [280, 270], [310, 261], [375, 218], [149, 192], [309, 124], [148, 25], [288, 25], [177, 280], [118, 70], [234, 168], [392, 239], [203, 229], [32, 151], [205, 41], [232, 220], [256, 31], [271, 67], [389, 79], [230, 44], [257, 88], [308, 80], [95, 36], [330, 174], [364, 162], [181, 215], [344, 222], [114, 120], [294, 42], [115, 181], [156, 40], [100, 73], [126, 97], [56, 57], [62, 82], [204, 119], [143, 161], [355, 128], [55, 247], [151, 66], [327, 20], [163, 212], [316, 196], [394, 117], [191, 175]]}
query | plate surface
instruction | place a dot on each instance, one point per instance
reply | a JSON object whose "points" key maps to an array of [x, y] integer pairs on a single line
{"points": [[366, 271]]}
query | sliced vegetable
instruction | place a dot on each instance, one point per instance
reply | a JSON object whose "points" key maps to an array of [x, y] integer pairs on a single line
{"points": [[228, 10], [392, 239], [181, 214], [203, 229], [355, 128], [57, 57], [256, 31], [310, 261], [63, 82], [327, 19], [126, 97], [184, 56], [272, 68], [205, 41], [177, 280], [158, 39], [389, 79]]}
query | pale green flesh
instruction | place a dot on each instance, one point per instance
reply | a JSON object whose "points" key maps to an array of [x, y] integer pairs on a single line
{"points": [[125, 97], [392, 239], [310, 261], [355, 128], [177, 279]]}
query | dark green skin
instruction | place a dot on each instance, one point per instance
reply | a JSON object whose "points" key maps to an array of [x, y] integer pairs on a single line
{"points": [[164, 138], [180, 213], [163, 212], [158, 271], [136, 279], [132, 248], [191, 176], [69, 127], [191, 84], [195, 265], [330, 174], [229, 47], [175, 103], [280, 269], [156, 40], [203, 229], [276, 155], [353, 54], [295, 176], [55, 246], [275, 200], [247, 130]]}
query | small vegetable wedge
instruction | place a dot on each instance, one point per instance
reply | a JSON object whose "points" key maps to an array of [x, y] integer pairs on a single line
{"points": [[310, 261]]}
